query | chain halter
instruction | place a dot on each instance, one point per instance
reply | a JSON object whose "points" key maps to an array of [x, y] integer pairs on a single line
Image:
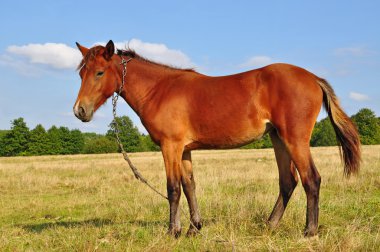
{"points": [[117, 129]]}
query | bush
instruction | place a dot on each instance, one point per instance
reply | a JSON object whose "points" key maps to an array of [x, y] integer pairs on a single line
{"points": [[100, 144]]}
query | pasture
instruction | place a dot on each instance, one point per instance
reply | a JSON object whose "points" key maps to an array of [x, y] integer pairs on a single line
{"points": [[93, 203]]}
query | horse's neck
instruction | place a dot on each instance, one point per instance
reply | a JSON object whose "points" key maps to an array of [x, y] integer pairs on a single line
{"points": [[142, 80]]}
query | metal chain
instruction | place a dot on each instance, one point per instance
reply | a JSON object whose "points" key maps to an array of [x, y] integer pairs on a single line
{"points": [[117, 130]]}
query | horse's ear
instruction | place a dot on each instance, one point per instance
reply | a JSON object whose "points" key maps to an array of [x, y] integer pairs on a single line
{"points": [[109, 51], [82, 49]]}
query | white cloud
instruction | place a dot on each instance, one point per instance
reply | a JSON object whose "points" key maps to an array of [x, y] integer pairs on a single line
{"points": [[21, 66], [358, 96], [353, 51], [59, 56], [157, 52], [257, 61], [62, 56]]}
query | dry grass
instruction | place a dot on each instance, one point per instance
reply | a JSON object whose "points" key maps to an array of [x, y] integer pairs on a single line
{"points": [[92, 202]]}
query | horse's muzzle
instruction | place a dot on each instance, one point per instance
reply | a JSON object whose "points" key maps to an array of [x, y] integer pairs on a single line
{"points": [[82, 113]]}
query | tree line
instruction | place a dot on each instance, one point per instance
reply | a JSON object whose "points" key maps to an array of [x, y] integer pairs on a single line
{"points": [[21, 141]]}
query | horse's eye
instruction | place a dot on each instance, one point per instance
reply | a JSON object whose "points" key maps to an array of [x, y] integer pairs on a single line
{"points": [[99, 74]]}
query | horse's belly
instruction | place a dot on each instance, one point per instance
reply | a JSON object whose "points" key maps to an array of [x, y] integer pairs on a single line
{"points": [[227, 136]]}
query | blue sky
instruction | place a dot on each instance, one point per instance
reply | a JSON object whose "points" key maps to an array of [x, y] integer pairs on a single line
{"points": [[337, 40]]}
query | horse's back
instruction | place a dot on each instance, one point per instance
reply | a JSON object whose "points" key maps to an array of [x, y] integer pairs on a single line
{"points": [[235, 110], [229, 111]]}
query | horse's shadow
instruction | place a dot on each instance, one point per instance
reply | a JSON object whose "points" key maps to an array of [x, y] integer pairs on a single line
{"points": [[96, 222], [147, 223], [39, 227]]}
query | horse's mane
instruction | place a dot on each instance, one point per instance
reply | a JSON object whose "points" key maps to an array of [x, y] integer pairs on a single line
{"points": [[133, 55], [128, 53]]}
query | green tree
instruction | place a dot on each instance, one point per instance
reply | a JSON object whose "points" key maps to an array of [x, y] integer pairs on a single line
{"points": [[147, 144], [368, 126], [54, 141], [64, 138], [101, 144], [76, 142], [62, 141], [89, 139], [129, 134], [3, 132], [38, 141], [90, 135], [15, 141], [323, 134], [71, 141]]}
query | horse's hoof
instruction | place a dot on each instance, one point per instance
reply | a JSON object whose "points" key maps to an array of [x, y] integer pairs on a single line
{"points": [[192, 232], [310, 232], [272, 225], [194, 229], [176, 233]]}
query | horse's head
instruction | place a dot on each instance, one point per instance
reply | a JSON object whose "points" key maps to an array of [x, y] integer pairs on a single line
{"points": [[100, 79]]}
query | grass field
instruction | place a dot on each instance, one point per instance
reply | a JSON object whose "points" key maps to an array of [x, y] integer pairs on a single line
{"points": [[93, 203]]}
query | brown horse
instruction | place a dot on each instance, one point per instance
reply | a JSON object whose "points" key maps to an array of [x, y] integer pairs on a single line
{"points": [[184, 110]]}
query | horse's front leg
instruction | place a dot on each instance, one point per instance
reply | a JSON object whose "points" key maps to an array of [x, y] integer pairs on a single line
{"points": [[172, 153]]}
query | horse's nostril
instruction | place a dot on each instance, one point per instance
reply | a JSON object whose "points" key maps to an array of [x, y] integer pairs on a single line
{"points": [[81, 112]]}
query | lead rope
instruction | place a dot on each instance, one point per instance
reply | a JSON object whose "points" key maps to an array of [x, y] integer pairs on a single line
{"points": [[117, 130]]}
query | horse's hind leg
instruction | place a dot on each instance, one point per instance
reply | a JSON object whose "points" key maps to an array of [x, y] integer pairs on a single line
{"points": [[311, 181], [299, 150], [288, 179], [188, 185]]}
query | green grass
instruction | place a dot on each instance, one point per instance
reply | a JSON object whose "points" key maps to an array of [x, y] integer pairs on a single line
{"points": [[93, 203]]}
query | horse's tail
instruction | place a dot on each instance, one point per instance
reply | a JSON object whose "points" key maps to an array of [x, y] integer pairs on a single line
{"points": [[346, 132]]}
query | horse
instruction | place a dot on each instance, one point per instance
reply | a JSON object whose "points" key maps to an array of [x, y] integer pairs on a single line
{"points": [[184, 110]]}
